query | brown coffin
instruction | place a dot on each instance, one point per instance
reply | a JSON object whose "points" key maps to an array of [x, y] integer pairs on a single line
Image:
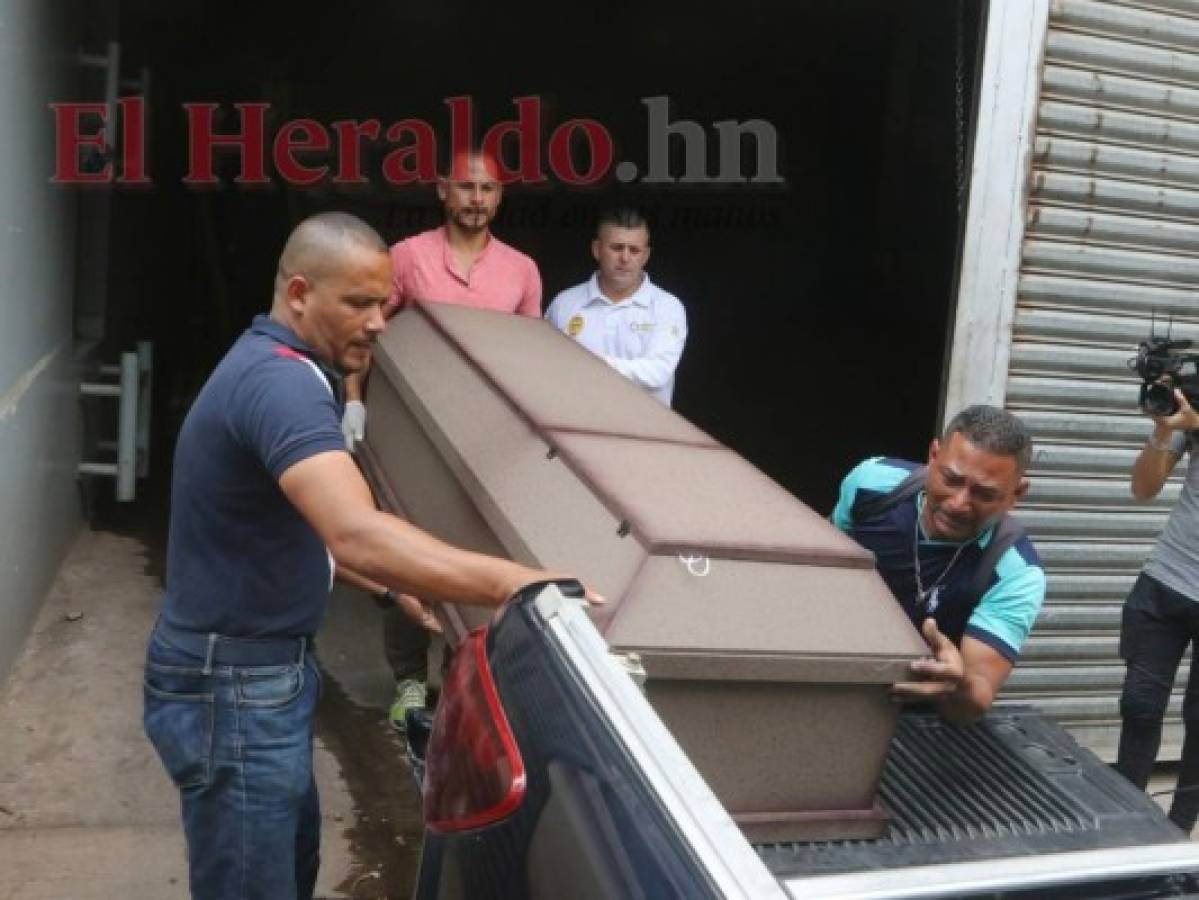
{"points": [[768, 638]]}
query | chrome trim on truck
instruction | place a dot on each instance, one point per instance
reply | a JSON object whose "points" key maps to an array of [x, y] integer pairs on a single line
{"points": [[995, 875]]}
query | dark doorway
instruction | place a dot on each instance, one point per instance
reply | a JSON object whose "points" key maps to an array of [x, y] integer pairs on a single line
{"points": [[818, 307]]}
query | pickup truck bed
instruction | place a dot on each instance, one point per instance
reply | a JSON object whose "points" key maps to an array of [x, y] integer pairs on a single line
{"points": [[610, 806], [1011, 785]]}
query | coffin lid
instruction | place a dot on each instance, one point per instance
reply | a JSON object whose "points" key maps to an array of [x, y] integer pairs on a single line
{"points": [[677, 488]]}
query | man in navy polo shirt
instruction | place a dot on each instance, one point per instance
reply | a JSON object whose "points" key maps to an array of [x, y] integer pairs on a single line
{"points": [[262, 485], [965, 573]]}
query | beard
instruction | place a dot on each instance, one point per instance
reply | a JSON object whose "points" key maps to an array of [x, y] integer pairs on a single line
{"points": [[472, 221]]}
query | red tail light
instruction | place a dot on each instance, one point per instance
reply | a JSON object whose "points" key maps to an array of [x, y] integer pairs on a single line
{"points": [[474, 775]]}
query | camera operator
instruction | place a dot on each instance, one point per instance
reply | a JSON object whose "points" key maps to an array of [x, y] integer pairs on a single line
{"points": [[1161, 616]]}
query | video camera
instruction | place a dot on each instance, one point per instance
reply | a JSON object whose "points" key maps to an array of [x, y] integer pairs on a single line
{"points": [[1163, 368]]}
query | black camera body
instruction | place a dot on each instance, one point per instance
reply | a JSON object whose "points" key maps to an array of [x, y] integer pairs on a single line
{"points": [[1163, 367]]}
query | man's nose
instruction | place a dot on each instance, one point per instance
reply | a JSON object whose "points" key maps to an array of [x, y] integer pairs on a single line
{"points": [[375, 323], [958, 500]]}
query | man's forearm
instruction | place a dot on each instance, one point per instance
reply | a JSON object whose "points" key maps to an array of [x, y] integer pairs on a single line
{"points": [[354, 385], [403, 557], [973, 697], [361, 582], [651, 372], [1154, 464], [331, 494]]}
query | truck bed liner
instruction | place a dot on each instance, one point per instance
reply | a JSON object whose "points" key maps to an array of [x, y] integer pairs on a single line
{"points": [[1011, 785]]}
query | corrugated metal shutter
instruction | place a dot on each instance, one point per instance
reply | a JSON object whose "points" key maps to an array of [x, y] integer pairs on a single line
{"points": [[1112, 233]]}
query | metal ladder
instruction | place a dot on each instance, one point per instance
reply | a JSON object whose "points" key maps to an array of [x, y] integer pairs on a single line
{"points": [[132, 391]]}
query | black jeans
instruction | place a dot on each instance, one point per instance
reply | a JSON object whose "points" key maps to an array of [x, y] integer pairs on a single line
{"points": [[406, 645], [1158, 623]]}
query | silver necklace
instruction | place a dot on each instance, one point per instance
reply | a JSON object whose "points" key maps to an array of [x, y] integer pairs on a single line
{"points": [[923, 594]]}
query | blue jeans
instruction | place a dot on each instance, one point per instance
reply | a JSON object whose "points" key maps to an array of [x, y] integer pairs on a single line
{"points": [[237, 742]]}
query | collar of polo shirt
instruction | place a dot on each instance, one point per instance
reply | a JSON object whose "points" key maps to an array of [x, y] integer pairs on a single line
{"points": [[639, 297]]}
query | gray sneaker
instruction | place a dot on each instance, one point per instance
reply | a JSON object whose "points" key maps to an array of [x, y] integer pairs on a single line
{"points": [[410, 694]]}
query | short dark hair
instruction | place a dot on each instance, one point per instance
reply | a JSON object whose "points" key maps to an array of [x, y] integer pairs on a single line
{"points": [[621, 217], [994, 430], [347, 228], [319, 241]]}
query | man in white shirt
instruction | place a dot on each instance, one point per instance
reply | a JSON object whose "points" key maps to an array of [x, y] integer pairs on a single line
{"points": [[619, 314]]}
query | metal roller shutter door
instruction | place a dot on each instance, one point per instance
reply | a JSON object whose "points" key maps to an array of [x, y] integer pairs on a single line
{"points": [[1111, 237]]}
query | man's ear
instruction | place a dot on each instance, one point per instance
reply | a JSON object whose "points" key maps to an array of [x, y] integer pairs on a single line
{"points": [[595, 249], [297, 293], [442, 187], [1021, 488], [934, 448]]}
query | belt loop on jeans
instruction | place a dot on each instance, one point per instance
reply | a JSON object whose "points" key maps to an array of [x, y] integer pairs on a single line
{"points": [[212, 637], [303, 649]]}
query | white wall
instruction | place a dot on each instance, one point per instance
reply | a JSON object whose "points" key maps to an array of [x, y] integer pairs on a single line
{"points": [[981, 337], [39, 409]]}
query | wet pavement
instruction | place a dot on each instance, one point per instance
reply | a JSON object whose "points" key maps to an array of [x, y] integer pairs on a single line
{"points": [[86, 811], [385, 833]]}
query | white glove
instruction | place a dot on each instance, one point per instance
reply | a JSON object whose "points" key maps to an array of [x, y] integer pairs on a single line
{"points": [[353, 423]]}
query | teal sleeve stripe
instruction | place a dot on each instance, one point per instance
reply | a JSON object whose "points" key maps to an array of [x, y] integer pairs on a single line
{"points": [[1009, 609], [873, 475]]}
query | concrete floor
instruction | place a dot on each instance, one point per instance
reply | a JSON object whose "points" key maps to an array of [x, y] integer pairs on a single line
{"points": [[86, 811]]}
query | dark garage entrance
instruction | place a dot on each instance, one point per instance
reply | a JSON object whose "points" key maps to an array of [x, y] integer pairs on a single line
{"points": [[819, 307]]}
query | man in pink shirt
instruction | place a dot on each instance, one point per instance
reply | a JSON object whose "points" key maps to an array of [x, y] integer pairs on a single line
{"points": [[461, 262]]}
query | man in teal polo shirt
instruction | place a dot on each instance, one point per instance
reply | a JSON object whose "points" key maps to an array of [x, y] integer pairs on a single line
{"points": [[963, 570]]}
